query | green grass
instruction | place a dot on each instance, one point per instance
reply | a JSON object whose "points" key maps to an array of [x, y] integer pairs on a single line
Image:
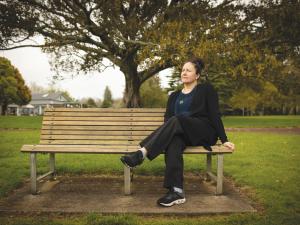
{"points": [[30, 122], [261, 121], [266, 165]]}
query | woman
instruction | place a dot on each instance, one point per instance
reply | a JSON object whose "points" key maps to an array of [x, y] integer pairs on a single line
{"points": [[192, 118]]}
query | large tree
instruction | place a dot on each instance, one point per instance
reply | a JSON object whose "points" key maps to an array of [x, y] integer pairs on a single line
{"points": [[12, 86], [140, 37]]}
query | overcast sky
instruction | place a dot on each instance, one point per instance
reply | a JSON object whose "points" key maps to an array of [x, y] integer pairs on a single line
{"points": [[34, 67]]}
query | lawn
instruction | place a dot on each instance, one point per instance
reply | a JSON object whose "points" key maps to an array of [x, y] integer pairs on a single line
{"points": [[21, 122], [266, 165], [261, 121]]}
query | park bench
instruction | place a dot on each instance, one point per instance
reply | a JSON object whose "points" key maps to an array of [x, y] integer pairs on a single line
{"points": [[105, 131]]}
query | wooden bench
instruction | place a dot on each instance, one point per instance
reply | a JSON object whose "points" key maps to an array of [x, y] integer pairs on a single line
{"points": [[105, 131]]}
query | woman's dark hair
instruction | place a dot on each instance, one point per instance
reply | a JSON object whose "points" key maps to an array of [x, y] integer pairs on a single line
{"points": [[198, 63]]}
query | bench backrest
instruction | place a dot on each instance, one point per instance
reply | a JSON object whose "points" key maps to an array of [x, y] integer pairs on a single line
{"points": [[98, 126]]}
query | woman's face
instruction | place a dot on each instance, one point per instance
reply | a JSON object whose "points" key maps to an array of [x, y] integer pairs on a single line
{"points": [[188, 73]]}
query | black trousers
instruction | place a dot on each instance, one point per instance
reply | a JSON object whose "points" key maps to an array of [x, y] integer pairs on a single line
{"points": [[170, 138]]}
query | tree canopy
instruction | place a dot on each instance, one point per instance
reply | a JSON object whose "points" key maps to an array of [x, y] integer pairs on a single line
{"points": [[243, 45], [140, 37], [12, 86], [260, 56]]}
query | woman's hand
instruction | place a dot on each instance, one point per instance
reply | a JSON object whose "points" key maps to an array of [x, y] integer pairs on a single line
{"points": [[229, 145]]}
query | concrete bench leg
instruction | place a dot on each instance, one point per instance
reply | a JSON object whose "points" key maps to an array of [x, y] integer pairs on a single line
{"points": [[33, 178], [52, 164], [127, 181], [219, 190]]}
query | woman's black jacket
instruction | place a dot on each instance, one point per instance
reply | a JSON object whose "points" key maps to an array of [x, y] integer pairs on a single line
{"points": [[205, 104]]}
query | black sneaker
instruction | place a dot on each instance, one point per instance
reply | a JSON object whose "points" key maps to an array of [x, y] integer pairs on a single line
{"points": [[171, 198], [132, 159]]}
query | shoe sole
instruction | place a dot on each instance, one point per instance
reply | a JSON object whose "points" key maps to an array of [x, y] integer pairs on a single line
{"points": [[123, 161], [176, 202]]}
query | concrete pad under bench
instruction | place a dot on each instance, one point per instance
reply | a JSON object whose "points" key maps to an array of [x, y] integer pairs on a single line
{"points": [[102, 194]]}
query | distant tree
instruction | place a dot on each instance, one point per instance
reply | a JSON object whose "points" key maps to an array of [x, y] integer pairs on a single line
{"points": [[152, 95], [107, 99], [118, 103], [246, 99], [287, 82], [91, 103], [276, 25], [12, 86], [68, 96], [269, 97], [98, 102], [174, 79]]}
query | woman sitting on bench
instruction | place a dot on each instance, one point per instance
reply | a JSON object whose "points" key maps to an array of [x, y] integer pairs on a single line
{"points": [[192, 118]]}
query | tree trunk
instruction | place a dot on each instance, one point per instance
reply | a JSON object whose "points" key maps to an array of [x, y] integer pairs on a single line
{"points": [[291, 111], [131, 96], [3, 109], [132, 93], [283, 109]]}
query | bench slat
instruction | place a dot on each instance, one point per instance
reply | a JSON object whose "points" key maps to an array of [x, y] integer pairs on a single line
{"points": [[106, 110], [98, 127], [104, 114], [122, 119], [73, 123], [111, 149], [46, 146], [91, 137], [97, 132], [88, 142]]}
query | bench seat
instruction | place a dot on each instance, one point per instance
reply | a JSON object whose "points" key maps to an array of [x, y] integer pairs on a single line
{"points": [[113, 149]]}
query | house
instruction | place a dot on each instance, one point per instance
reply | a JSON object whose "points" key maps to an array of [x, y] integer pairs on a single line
{"points": [[40, 101]]}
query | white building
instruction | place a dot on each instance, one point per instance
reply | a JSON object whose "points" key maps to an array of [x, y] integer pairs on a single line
{"points": [[40, 101]]}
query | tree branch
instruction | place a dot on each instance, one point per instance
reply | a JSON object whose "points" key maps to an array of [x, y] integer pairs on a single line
{"points": [[146, 74], [135, 42], [23, 46]]}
